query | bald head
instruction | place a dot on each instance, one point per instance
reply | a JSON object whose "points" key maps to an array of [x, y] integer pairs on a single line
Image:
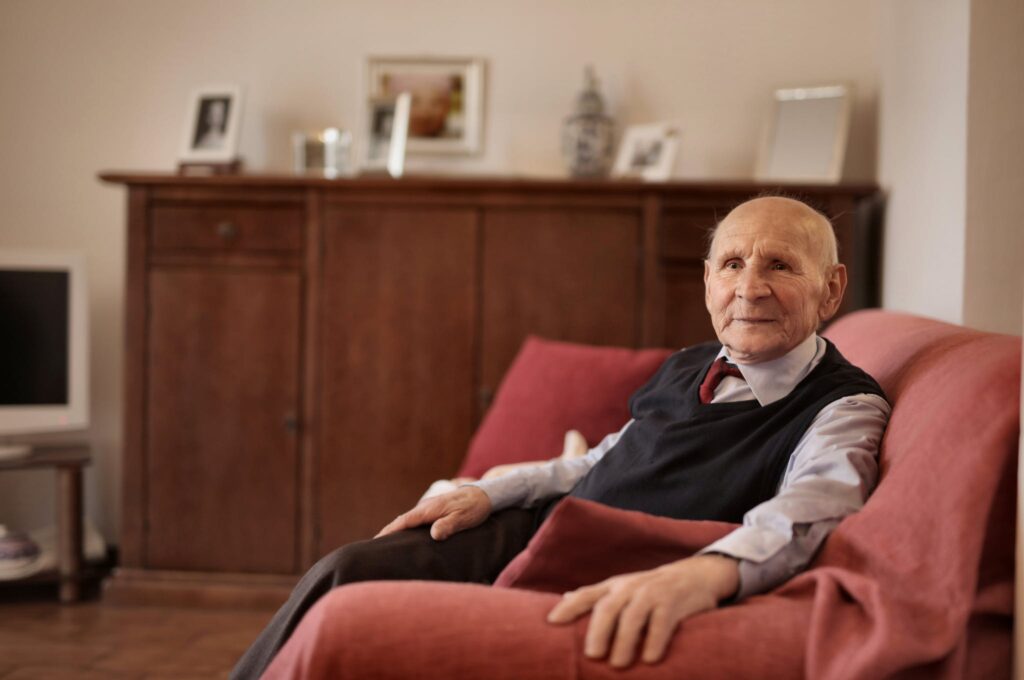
{"points": [[809, 225], [771, 278]]}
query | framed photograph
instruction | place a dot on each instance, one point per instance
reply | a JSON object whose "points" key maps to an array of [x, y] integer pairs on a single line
{"points": [[647, 152], [211, 125], [447, 100], [805, 138], [388, 121]]}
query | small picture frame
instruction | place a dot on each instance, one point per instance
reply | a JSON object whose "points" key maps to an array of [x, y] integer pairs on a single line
{"points": [[388, 129], [447, 100], [805, 137], [647, 152], [211, 125]]}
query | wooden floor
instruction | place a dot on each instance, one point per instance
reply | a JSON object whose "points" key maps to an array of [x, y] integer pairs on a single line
{"points": [[43, 640]]}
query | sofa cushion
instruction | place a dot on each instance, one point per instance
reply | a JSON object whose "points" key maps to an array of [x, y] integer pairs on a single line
{"points": [[394, 630], [552, 387], [583, 542]]}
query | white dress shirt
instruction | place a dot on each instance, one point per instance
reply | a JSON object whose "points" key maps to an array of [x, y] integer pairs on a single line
{"points": [[830, 474]]}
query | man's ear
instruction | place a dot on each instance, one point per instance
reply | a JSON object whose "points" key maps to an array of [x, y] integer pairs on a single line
{"points": [[835, 286]]}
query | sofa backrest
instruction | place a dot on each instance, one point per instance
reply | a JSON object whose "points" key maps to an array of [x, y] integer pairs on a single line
{"points": [[933, 547], [552, 387], [955, 391]]}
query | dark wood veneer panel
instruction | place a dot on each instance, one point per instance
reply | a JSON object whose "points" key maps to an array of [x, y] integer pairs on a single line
{"points": [[223, 365], [568, 274], [686, 318], [133, 473], [684, 232], [397, 312]]}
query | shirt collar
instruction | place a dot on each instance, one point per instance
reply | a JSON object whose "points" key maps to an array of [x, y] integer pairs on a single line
{"points": [[772, 380]]}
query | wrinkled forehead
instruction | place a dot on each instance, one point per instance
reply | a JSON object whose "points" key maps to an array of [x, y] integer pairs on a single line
{"points": [[772, 228]]}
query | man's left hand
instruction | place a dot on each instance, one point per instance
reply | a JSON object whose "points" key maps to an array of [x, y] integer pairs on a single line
{"points": [[650, 603]]}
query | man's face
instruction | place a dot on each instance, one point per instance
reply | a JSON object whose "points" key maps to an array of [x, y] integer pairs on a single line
{"points": [[765, 282]]}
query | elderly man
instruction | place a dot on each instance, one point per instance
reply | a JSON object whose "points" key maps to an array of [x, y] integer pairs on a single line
{"points": [[770, 425]]}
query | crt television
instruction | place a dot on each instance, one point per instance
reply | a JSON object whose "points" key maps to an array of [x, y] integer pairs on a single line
{"points": [[44, 351]]}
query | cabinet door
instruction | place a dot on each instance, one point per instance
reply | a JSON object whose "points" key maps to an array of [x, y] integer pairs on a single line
{"points": [[397, 315], [222, 391], [682, 314], [562, 273]]}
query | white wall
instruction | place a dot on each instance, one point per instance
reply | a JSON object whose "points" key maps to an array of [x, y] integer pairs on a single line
{"points": [[951, 157], [923, 154], [104, 85], [994, 248]]}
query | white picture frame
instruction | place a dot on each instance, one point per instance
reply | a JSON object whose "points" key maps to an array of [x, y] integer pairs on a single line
{"points": [[386, 134], [212, 122], [647, 152], [399, 135], [806, 135], [447, 100]]}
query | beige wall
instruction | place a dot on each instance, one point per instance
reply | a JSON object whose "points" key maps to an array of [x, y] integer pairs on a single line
{"points": [[103, 84], [952, 158], [951, 142], [994, 248], [922, 154]]}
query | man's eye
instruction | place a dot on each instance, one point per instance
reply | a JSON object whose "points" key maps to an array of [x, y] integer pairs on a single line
{"points": [[732, 264], [780, 266]]}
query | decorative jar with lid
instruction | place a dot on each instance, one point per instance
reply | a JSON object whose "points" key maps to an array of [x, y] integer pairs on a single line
{"points": [[587, 135]]}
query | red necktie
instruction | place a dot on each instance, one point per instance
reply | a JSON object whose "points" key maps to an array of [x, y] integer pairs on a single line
{"points": [[718, 370]]}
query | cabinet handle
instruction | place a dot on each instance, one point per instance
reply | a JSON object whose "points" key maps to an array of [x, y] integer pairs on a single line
{"points": [[227, 230], [291, 423]]}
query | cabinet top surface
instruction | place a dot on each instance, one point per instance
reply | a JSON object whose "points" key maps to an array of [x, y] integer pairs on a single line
{"points": [[481, 183]]}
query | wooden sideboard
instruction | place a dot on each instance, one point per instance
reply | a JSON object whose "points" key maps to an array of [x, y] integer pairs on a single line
{"points": [[304, 356]]}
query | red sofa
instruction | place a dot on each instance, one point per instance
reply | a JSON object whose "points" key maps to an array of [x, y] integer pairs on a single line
{"points": [[918, 584]]}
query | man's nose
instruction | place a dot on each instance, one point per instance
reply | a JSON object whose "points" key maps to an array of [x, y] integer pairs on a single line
{"points": [[752, 285]]}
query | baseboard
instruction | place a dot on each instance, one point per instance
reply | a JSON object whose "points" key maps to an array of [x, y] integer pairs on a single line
{"points": [[197, 589]]}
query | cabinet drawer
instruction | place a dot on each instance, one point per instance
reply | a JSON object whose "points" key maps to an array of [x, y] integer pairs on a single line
{"points": [[226, 229]]}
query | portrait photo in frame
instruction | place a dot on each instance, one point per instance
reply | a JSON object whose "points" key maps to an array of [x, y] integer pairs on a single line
{"points": [[447, 100], [647, 152], [211, 125]]}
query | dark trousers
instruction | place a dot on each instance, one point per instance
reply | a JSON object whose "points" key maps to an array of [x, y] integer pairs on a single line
{"points": [[474, 556]]}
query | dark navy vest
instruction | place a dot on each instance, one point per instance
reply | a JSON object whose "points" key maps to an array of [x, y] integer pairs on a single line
{"points": [[688, 460]]}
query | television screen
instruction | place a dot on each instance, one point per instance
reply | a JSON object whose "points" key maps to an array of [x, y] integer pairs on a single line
{"points": [[34, 337]]}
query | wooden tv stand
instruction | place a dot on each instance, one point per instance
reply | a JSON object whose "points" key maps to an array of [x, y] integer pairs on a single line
{"points": [[68, 462]]}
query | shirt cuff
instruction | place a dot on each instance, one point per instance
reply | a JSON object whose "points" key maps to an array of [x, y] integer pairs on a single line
{"points": [[504, 492], [761, 575], [749, 543]]}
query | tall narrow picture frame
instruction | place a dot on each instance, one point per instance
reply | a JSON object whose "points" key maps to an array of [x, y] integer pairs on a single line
{"points": [[387, 133], [446, 113], [399, 135]]}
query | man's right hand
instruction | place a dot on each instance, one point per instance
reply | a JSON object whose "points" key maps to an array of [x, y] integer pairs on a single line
{"points": [[449, 513]]}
